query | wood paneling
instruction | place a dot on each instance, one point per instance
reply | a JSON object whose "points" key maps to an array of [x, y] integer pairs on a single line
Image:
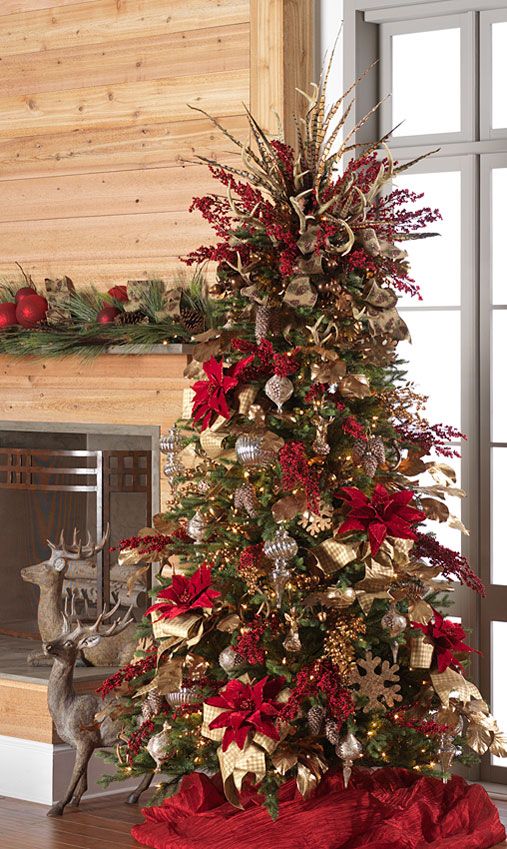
{"points": [[24, 711], [102, 21], [209, 51]]}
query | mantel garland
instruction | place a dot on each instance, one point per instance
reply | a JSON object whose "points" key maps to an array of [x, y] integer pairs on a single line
{"points": [[58, 320]]}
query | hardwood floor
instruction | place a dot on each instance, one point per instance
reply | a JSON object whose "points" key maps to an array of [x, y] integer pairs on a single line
{"points": [[99, 824]]}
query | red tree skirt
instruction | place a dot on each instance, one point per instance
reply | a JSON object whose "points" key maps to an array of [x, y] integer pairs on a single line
{"points": [[383, 809]]}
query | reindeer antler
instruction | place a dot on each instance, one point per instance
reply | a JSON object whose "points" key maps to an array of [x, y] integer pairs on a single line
{"points": [[81, 632], [76, 550]]}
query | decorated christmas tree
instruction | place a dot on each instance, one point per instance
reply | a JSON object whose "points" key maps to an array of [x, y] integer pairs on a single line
{"points": [[297, 628]]}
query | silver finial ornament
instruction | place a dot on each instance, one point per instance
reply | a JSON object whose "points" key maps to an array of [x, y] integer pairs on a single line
{"points": [[250, 451], [280, 549], [197, 526], [171, 445], [348, 750], [394, 623]]}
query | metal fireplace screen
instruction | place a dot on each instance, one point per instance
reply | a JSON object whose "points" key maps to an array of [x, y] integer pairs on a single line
{"points": [[100, 473]]}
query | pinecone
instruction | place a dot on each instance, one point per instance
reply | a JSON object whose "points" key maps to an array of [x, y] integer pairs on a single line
{"points": [[316, 716], [332, 731], [369, 454], [152, 705], [192, 320], [245, 498], [136, 317], [263, 322]]}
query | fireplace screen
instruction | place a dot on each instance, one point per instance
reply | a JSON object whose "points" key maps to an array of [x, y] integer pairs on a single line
{"points": [[47, 490]]}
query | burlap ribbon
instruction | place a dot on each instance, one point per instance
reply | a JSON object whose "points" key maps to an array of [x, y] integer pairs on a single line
{"points": [[379, 307], [59, 296]]}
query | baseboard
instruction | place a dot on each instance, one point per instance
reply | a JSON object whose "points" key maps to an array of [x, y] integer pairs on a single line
{"points": [[40, 772]]}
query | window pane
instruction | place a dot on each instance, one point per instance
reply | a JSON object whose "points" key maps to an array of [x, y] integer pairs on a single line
{"points": [[498, 375], [499, 231], [434, 361], [436, 263], [499, 73], [499, 679], [426, 82], [498, 511]]}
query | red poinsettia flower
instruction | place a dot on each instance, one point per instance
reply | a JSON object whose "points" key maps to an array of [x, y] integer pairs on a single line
{"points": [[247, 707], [185, 594], [210, 398], [447, 637], [384, 514]]}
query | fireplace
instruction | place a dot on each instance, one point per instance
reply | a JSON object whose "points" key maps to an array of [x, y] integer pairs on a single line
{"points": [[56, 478]]}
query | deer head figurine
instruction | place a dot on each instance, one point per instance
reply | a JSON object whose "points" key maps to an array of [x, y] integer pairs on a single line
{"points": [[49, 576], [74, 715]]}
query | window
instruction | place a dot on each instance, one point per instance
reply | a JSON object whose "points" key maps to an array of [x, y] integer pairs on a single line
{"points": [[444, 68]]}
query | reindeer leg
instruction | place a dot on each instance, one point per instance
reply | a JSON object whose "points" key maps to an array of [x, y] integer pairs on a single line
{"points": [[81, 788], [83, 755], [141, 787]]}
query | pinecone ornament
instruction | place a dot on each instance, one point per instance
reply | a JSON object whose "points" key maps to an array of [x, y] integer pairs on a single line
{"points": [[152, 705], [316, 716], [332, 731], [245, 498], [369, 454], [263, 316]]}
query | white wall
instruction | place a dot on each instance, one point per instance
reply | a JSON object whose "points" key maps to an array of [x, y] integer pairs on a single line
{"points": [[329, 15]]}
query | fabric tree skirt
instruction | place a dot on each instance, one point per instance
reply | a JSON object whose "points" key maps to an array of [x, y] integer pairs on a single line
{"points": [[382, 809]]}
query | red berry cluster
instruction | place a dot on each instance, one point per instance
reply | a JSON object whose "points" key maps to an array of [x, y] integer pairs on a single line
{"points": [[286, 364], [129, 672], [249, 645], [296, 473], [319, 679], [353, 428], [450, 563], [138, 739], [429, 728]]}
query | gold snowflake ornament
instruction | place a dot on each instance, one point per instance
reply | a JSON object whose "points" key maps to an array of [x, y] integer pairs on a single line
{"points": [[379, 686], [315, 523]]}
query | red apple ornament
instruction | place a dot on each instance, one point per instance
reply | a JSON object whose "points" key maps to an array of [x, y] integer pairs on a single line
{"points": [[119, 293], [107, 315], [24, 292], [7, 314], [31, 309]]}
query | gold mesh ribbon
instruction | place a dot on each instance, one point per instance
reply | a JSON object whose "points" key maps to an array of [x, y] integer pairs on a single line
{"points": [[236, 763], [332, 555], [187, 628], [421, 652], [451, 683]]}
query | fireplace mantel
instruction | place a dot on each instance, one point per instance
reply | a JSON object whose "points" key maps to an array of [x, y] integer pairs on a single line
{"points": [[113, 388]]}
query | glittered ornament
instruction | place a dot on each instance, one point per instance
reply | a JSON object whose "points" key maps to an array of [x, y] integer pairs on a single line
{"points": [[152, 705], [7, 315], [348, 750], [369, 454], [320, 444], [245, 498], [196, 527], [315, 717], [250, 451], [279, 390], [107, 315], [229, 659], [25, 291], [394, 623], [280, 549], [158, 746], [378, 685], [31, 310]]}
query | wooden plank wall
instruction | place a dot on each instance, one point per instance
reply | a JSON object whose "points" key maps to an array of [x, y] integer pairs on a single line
{"points": [[95, 127]]}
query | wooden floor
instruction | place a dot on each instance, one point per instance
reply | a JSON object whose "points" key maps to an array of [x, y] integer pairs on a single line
{"points": [[99, 824]]}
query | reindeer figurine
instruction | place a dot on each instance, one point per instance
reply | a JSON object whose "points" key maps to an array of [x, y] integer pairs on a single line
{"points": [[74, 715], [49, 576]]}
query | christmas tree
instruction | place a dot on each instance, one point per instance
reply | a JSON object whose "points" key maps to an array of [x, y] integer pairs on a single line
{"points": [[298, 624]]}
